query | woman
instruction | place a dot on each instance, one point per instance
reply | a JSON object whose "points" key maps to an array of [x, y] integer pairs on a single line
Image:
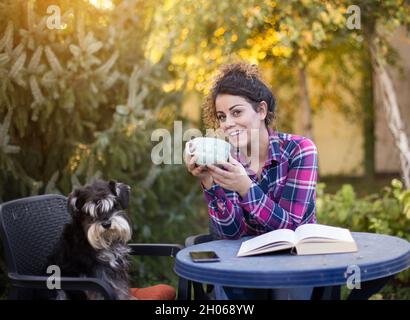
{"points": [[255, 192]]}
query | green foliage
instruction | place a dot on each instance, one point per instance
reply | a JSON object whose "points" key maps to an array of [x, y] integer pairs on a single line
{"points": [[283, 36], [81, 103], [387, 212]]}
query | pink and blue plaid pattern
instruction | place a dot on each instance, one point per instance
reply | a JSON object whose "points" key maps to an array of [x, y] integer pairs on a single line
{"points": [[283, 198]]}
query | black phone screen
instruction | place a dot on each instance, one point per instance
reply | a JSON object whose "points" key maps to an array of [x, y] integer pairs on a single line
{"points": [[204, 256]]}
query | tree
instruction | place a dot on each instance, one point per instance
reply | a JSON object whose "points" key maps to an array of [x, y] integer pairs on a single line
{"points": [[380, 18], [289, 35], [81, 102], [283, 36], [81, 72]]}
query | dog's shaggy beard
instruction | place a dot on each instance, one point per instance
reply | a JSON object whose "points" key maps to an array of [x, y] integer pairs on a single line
{"points": [[111, 248], [101, 238]]}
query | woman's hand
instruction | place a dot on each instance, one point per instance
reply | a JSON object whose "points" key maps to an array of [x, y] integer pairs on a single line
{"points": [[232, 177], [201, 172]]}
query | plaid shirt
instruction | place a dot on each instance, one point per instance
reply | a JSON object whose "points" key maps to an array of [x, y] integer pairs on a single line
{"points": [[283, 198]]}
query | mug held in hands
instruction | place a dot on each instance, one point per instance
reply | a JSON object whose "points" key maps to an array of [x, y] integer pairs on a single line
{"points": [[208, 150]]}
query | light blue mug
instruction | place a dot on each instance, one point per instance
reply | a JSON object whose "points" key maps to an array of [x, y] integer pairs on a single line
{"points": [[209, 150]]}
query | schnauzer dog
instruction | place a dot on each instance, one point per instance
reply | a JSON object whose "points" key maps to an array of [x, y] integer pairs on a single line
{"points": [[94, 244]]}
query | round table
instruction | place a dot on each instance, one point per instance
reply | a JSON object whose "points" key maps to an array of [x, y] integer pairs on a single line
{"points": [[379, 256]]}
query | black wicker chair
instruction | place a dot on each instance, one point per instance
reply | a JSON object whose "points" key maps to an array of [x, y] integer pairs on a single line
{"points": [[29, 230]]}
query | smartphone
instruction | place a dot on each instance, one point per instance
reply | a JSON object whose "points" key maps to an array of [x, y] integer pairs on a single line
{"points": [[204, 256]]}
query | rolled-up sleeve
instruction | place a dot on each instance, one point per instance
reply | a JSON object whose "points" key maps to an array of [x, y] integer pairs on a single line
{"points": [[226, 215]]}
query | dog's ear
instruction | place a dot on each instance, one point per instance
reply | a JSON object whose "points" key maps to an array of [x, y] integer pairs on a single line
{"points": [[112, 184], [124, 196], [72, 202], [122, 191]]}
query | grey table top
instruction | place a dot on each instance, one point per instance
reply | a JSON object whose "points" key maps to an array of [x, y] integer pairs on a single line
{"points": [[379, 256]]}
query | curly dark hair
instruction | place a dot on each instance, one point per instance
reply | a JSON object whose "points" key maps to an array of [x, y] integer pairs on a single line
{"points": [[239, 79]]}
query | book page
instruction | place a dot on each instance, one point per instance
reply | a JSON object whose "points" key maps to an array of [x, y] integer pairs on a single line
{"points": [[325, 248], [307, 232], [278, 246], [268, 239]]}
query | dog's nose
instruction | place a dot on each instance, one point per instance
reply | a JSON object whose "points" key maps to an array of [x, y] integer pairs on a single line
{"points": [[106, 224]]}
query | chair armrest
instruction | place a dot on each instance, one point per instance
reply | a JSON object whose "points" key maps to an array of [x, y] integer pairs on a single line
{"points": [[67, 283], [155, 249], [197, 239]]}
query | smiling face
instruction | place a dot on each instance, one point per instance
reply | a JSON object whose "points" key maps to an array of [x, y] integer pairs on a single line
{"points": [[237, 117]]}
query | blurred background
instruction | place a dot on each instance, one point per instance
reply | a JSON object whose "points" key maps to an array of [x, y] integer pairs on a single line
{"points": [[84, 83]]}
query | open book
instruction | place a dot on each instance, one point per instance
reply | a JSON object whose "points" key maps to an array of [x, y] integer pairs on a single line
{"points": [[306, 239]]}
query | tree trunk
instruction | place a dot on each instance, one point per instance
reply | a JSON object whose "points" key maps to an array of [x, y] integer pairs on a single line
{"points": [[306, 107], [367, 100], [392, 110]]}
